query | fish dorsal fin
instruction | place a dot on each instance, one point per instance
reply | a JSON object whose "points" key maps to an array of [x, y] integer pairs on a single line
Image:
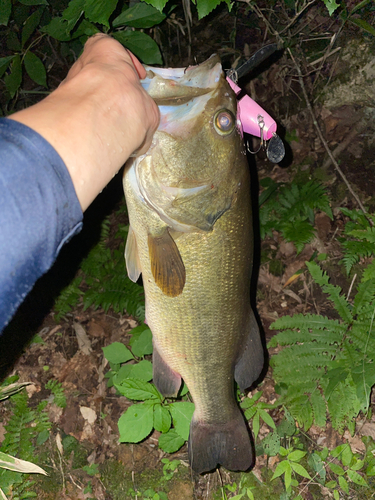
{"points": [[167, 266], [133, 265]]}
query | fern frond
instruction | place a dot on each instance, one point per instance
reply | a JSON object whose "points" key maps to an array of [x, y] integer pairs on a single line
{"points": [[321, 278], [319, 408], [369, 272], [364, 295], [301, 409], [354, 251]]}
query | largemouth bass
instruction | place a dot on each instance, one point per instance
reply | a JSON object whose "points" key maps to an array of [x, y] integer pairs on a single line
{"points": [[191, 238]]}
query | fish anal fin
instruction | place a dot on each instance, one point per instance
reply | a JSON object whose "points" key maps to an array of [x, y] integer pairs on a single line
{"points": [[133, 265], [167, 381], [167, 266], [215, 444], [250, 362]]}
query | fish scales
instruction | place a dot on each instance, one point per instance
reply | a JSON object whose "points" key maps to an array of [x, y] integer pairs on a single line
{"points": [[199, 311]]}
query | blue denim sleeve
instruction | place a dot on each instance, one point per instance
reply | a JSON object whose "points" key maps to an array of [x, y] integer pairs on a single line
{"points": [[39, 212]]}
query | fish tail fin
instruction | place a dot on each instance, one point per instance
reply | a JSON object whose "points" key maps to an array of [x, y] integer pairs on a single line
{"points": [[229, 445]]}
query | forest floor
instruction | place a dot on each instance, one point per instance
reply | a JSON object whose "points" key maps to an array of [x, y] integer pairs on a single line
{"points": [[87, 426]]}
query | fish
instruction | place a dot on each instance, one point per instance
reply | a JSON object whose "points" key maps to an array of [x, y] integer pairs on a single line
{"points": [[191, 238]]}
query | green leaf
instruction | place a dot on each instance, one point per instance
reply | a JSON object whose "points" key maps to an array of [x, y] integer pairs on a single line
{"points": [[158, 4], [361, 23], [357, 465], [34, 2], [4, 63], [343, 484], [141, 341], [170, 442], [256, 424], [30, 24], [138, 390], [14, 79], [5, 11], [336, 469], [206, 6], [182, 413], [35, 68], [280, 469], [288, 477], [141, 45], [136, 423], [99, 11], [162, 418], [271, 444], [336, 495], [123, 373], [142, 370], [331, 6], [266, 417], [356, 478], [141, 15], [300, 470], [296, 455], [344, 453], [117, 352]]}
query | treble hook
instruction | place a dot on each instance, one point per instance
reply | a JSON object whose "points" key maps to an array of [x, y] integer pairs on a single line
{"points": [[262, 143]]}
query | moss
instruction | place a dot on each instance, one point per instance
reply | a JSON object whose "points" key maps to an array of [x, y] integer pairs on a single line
{"points": [[119, 483]]}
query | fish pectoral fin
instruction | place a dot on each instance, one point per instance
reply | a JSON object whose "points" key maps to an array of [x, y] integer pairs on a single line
{"points": [[250, 362], [167, 266], [227, 444], [133, 264], [167, 381]]}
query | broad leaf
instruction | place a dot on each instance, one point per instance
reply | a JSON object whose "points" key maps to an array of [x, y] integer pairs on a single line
{"points": [[162, 418], [5, 10], [117, 353], [141, 45], [141, 341], [35, 68], [296, 455], [13, 80], [4, 63], [300, 470], [181, 415], [158, 4], [30, 24], [142, 370], [356, 478], [141, 15], [170, 442], [206, 6], [281, 468], [99, 11], [18, 465], [136, 423], [138, 390]]}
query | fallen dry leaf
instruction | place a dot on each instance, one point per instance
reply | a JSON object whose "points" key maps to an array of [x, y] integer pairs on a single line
{"points": [[84, 343]]}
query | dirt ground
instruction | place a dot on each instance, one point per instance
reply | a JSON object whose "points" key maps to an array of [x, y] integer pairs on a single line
{"points": [[81, 369]]}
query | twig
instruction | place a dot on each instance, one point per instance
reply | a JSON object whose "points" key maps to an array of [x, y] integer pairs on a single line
{"points": [[323, 58], [324, 142]]}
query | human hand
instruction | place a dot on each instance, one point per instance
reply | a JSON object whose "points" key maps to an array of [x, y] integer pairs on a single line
{"points": [[97, 117]]}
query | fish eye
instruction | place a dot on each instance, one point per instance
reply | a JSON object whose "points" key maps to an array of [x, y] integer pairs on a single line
{"points": [[224, 122]]}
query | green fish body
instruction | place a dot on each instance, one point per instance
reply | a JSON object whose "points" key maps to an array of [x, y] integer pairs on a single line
{"points": [[191, 238]]}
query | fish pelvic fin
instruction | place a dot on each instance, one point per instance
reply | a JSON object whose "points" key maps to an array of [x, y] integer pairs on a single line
{"points": [[133, 265], [250, 361], [167, 381], [229, 445], [167, 266]]}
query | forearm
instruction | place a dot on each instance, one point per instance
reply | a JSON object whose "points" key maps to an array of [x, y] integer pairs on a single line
{"points": [[39, 212]]}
